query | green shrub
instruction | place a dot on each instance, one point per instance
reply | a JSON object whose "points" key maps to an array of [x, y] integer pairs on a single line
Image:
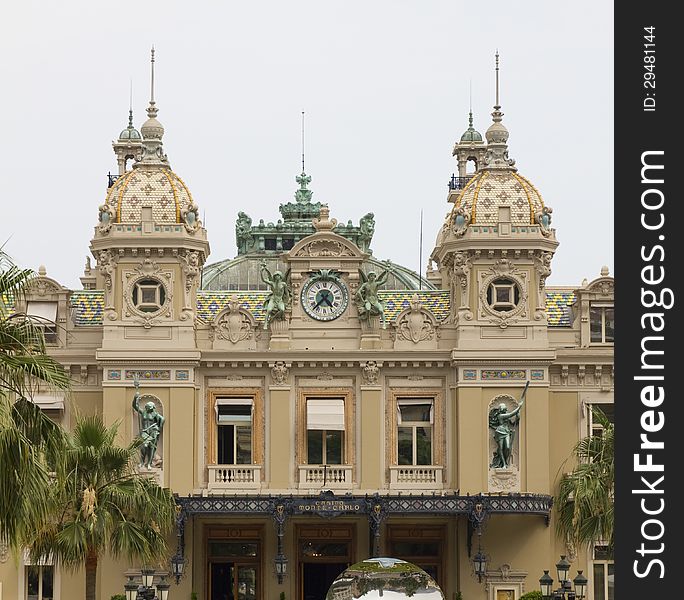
{"points": [[118, 597], [193, 596], [533, 595]]}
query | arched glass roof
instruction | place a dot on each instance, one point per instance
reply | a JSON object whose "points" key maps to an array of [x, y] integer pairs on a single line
{"points": [[244, 273]]}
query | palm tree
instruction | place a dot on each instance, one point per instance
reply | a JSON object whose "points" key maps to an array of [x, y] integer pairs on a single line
{"points": [[25, 433], [586, 495], [99, 504]]}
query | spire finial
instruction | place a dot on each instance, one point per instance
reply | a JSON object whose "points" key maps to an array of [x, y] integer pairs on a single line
{"points": [[152, 76], [303, 142], [497, 79], [152, 131], [470, 112], [497, 135], [152, 110], [130, 105]]}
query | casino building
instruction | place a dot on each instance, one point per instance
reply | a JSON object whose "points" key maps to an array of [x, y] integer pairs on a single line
{"points": [[302, 439]]}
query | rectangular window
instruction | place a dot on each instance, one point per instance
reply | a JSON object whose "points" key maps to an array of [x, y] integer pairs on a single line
{"points": [[44, 315], [602, 323], [414, 431], [39, 582], [604, 574], [325, 431], [234, 424], [595, 428]]}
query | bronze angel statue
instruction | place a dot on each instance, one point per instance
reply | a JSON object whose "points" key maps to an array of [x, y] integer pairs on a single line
{"points": [[504, 424], [279, 296], [367, 300]]}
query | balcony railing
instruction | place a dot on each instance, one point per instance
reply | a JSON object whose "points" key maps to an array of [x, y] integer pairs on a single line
{"points": [[333, 477], [111, 179], [424, 477], [234, 477], [458, 183]]}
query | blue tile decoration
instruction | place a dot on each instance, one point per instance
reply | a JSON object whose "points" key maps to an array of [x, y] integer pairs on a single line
{"points": [[210, 303], [435, 300], [558, 311], [87, 307]]}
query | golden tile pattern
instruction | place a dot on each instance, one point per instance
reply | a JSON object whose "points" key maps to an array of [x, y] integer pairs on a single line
{"points": [[489, 190], [159, 188]]}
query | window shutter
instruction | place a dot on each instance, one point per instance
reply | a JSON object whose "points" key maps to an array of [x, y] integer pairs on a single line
{"points": [[416, 402], [325, 414], [231, 410], [43, 311], [49, 401]]}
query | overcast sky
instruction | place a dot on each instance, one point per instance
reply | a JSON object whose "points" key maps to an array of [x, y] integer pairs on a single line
{"points": [[385, 88]]}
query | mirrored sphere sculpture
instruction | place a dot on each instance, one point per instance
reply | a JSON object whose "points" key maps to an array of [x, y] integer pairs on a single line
{"points": [[386, 578]]}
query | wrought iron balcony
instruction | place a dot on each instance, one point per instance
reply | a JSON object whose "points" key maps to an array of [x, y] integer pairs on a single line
{"points": [[111, 179], [458, 183], [419, 477], [333, 477], [234, 477]]}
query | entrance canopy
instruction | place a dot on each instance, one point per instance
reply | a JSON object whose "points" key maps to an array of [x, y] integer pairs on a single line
{"points": [[375, 507]]}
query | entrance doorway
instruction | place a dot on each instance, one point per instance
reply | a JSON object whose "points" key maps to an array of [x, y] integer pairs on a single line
{"points": [[318, 577], [234, 562], [230, 581], [324, 551]]}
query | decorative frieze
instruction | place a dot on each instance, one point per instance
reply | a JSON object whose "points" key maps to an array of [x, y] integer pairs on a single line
{"points": [[147, 374], [503, 374], [515, 375]]}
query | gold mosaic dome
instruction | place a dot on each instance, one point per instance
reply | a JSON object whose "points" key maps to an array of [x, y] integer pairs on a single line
{"points": [[490, 190], [155, 187], [498, 185], [150, 184]]}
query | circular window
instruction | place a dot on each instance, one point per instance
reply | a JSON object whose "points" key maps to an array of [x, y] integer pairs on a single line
{"points": [[149, 295], [503, 295]]}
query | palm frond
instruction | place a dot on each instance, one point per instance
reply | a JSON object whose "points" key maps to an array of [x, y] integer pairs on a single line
{"points": [[585, 498]]}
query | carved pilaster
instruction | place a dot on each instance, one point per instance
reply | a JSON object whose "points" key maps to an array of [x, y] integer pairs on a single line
{"points": [[542, 265], [191, 270], [461, 284], [106, 263]]}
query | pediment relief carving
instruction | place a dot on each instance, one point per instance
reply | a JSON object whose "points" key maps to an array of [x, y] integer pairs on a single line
{"points": [[416, 323], [325, 244], [603, 286], [42, 286], [234, 324]]}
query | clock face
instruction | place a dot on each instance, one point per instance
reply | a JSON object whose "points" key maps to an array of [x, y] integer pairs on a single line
{"points": [[324, 300]]}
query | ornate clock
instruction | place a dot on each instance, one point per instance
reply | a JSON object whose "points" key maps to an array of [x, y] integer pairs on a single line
{"points": [[324, 295]]}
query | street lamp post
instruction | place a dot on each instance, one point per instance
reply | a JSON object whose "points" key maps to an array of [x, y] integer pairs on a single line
{"points": [[147, 590], [565, 590]]}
